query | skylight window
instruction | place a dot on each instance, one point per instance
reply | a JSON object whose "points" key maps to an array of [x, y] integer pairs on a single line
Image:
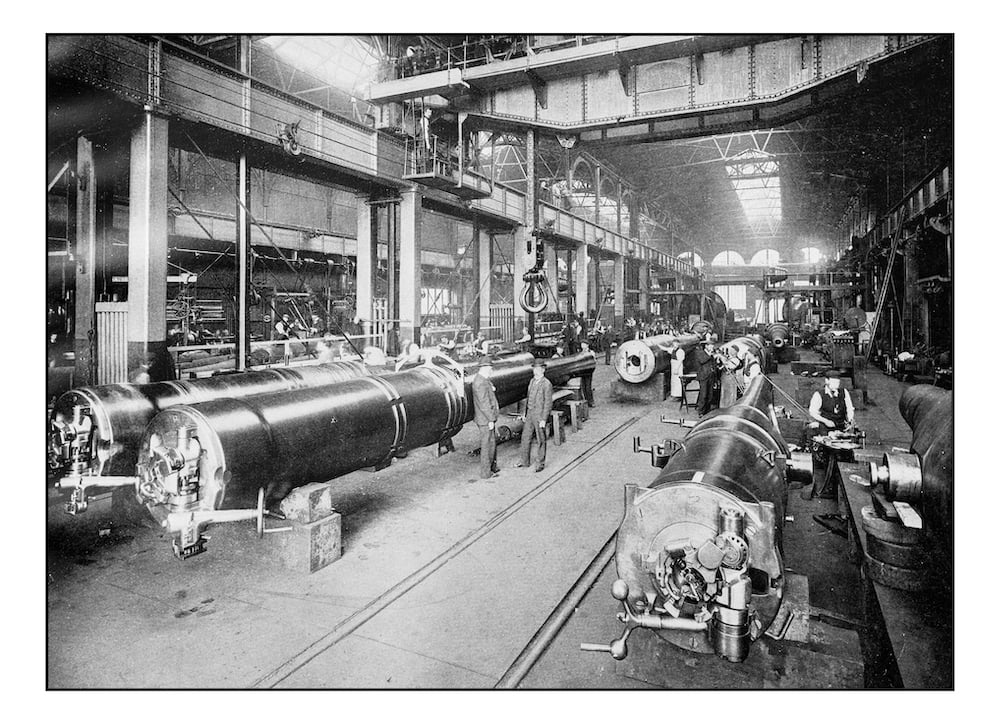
{"points": [[754, 176]]}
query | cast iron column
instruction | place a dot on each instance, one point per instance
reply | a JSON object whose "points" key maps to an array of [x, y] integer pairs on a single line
{"points": [[84, 331], [147, 249]]}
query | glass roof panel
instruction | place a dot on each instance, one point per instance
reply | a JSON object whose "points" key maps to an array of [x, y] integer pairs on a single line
{"points": [[754, 177]]}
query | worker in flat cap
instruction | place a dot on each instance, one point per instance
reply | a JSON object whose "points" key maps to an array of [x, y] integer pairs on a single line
{"points": [[537, 413], [831, 408], [487, 411]]}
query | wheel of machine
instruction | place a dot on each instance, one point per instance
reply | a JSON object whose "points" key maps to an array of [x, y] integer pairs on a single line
{"points": [[859, 375], [902, 556], [903, 579], [504, 434], [886, 530]]}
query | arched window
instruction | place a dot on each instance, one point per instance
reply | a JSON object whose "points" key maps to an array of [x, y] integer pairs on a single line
{"points": [[765, 257], [692, 258], [812, 255], [735, 297], [728, 258]]}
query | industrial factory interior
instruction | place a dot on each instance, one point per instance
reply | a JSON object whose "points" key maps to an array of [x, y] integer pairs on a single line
{"points": [[501, 361]]}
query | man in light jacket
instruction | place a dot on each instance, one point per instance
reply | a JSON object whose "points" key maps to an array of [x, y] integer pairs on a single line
{"points": [[487, 410], [539, 409]]}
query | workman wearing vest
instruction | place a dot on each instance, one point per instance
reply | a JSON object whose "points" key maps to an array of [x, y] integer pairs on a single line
{"points": [[831, 408]]}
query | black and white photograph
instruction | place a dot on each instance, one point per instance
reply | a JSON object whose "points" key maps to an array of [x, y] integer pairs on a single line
{"points": [[478, 361]]}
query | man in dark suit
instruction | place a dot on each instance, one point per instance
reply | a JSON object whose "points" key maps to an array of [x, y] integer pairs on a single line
{"points": [[539, 409], [487, 410], [705, 367]]}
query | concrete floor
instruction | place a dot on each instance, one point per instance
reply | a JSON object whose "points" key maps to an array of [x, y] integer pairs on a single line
{"points": [[443, 580]]}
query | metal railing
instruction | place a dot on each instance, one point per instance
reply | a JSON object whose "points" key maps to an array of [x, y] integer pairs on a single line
{"points": [[420, 59]]}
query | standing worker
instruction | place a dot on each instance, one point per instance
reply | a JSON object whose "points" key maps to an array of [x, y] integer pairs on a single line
{"points": [[732, 366], [704, 363], [539, 409], [487, 410], [676, 369], [586, 381], [831, 408]]}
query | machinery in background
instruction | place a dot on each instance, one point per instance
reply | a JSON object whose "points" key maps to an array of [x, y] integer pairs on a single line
{"points": [[840, 348], [95, 432], [637, 360], [779, 336], [699, 551], [196, 460], [909, 525]]}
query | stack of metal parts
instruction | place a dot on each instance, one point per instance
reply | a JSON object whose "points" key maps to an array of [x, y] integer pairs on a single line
{"points": [[909, 524]]}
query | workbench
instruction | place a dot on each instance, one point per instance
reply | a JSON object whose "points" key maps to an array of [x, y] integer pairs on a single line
{"points": [[908, 638]]}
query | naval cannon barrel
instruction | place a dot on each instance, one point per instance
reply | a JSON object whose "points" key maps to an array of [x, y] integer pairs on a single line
{"points": [[97, 430], [699, 551], [637, 360], [777, 334], [217, 455]]}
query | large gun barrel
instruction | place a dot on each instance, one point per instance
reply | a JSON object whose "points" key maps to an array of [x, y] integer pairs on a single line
{"points": [[777, 334], [752, 345], [217, 454], [97, 430], [699, 551], [926, 476], [637, 360]]}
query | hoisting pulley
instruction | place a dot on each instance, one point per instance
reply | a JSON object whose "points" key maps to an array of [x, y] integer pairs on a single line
{"points": [[535, 296]]}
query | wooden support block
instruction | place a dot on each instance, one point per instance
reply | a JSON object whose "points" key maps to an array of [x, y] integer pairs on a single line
{"points": [[573, 386], [558, 433], [308, 503], [309, 547], [444, 447], [575, 414]]}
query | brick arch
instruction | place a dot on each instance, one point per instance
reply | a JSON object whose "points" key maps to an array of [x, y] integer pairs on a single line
{"points": [[693, 257], [765, 257], [728, 257]]}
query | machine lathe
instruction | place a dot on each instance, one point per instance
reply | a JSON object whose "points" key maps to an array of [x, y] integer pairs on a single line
{"points": [[699, 551]]}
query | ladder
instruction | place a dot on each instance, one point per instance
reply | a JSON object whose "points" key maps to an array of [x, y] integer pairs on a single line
{"points": [[884, 293]]}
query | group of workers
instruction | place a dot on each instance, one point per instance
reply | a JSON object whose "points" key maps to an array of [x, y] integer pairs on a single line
{"points": [[487, 412], [730, 369]]}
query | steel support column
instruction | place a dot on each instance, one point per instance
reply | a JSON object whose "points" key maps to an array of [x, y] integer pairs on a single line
{"points": [[147, 249], [84, 331], [483, 244], [410, 221], [619, 284], [552, 274], [581, 270], [644, 286], [243, 234], [365, 261], [243, 264]]}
